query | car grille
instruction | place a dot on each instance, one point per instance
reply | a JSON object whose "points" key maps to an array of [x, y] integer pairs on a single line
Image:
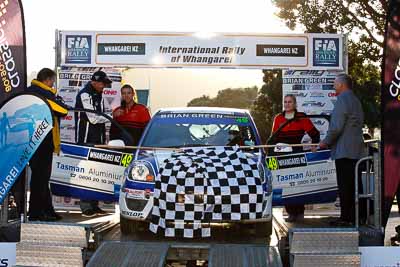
{"points": [[135, 204]]}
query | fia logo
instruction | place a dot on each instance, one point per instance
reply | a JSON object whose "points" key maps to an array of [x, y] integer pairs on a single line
{"points": [[77, 42], [78, 49], [325, 45], [326, 52]]}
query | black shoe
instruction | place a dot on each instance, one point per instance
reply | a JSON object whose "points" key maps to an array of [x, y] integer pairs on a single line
{"points": [[99, 211], [341, 223], [43, 218], [291, 218], [55, 215], [88, 213]]}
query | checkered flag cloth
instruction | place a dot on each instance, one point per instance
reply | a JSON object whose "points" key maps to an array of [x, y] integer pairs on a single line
{"points": [[197, 186]]}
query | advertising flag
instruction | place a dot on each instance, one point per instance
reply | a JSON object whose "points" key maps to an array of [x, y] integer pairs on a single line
{"points": [[25, 120], [12, 49], [391, 107]]}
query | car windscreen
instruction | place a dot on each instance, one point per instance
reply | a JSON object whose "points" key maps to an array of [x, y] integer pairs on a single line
{"points": [[188, 130]]}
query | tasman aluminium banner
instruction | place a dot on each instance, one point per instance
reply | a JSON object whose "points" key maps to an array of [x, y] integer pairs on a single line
{"points": [[12, 49], [391, 107], [25, 120], [149, 49]]}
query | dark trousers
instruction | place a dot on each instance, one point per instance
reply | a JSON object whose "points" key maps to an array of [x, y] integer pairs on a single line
{"points": [[18, 191], [294, 210], [40, 202], [345, 171]]}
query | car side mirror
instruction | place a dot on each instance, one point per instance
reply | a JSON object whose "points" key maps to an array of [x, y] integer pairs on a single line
{"points": [[116, 142], [281, 147]]}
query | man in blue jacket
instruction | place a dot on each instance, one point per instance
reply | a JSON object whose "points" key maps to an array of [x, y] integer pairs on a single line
{"points": [[90, 127], [40, 202]]}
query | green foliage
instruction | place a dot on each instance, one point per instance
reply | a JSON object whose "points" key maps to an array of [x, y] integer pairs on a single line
{"points": [[229, 98], [268, 102], [364, 20]]}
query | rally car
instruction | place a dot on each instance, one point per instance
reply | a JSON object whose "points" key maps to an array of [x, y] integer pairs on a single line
{"points": [[188, 128]]}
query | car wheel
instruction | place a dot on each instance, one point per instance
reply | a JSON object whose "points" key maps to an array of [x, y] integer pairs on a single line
{"points": [[263, 229], [129, 227]]}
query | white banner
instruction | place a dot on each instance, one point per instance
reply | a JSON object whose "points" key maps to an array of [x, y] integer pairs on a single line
{"points": [[302, 174], [8, 254], [380, 256], [87, 174], [71, 81], [171, 49]]}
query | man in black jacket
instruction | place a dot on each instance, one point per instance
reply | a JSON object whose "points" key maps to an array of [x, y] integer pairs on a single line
{"points": [[90, 127], [40, 202]]}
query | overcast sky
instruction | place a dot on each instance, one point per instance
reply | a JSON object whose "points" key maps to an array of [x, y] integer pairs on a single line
{"points": [[43, 17]]}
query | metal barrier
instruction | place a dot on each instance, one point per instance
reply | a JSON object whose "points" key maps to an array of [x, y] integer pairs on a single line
{"points": [[374, 194]]}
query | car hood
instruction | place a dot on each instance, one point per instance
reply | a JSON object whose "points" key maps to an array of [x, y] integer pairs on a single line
{"points": [[157, 157]]}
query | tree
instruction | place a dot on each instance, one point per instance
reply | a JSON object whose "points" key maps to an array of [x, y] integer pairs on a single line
{"points": [[230, 98], [268, 103], [365, 21], [203, 101]]}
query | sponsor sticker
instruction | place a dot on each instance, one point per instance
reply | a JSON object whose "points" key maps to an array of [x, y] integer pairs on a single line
{"points": [[283, 162], [280, 50], [121, 49], [110, 157]]}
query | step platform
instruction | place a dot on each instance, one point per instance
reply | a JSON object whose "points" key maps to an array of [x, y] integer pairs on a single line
{"points": [[157, 254]]}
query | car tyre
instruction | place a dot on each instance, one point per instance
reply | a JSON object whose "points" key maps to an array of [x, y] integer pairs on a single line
{"points": [[129, 227], [263, 229]]}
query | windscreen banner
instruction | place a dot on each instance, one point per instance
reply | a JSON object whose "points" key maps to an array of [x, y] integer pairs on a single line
{"points": [[13, 50], [391, 108], [201, 50], [25, 121]]}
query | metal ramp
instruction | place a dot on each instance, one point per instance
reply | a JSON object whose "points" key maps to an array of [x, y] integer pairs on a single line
{"points": [[130, 254], [227, 255], [156, 254], [324, 247], [48, 244]]}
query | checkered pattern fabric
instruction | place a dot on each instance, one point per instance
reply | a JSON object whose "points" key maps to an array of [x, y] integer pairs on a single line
{"points": [[197, 186]]}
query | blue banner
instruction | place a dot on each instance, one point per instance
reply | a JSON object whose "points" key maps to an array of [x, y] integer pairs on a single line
{"points": [[25, 120]]}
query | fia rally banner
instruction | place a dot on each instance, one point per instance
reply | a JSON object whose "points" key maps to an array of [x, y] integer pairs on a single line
{"points": [[84, 172], [13, 49], [303, 178], [204, 50], [71, 81], [25, 120]]}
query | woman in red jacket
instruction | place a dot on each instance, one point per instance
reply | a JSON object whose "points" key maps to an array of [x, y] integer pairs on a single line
{"points": [[293, 133], [130, 115]]}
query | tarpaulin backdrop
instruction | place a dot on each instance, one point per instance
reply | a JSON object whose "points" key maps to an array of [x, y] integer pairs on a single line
{"points": [[391, 107], [12, 49]]}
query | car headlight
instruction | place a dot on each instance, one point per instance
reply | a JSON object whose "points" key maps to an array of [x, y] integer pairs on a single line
{"points": [[141, 172]]}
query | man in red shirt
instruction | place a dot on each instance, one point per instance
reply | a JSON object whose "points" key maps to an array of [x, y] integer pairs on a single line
{"points": [[130, 115]]}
